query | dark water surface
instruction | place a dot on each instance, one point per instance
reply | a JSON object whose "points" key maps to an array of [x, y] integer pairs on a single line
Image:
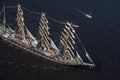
{"points": [[100, 35]]}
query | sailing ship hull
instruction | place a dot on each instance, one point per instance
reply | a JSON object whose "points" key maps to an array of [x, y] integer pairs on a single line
{"points": [[23, 40], [43, 58]]}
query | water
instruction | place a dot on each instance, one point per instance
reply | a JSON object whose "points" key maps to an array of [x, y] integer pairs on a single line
{"points": [[100, 35]]}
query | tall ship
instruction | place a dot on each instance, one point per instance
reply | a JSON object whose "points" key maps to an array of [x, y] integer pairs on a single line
{"points": [[66, 54]]}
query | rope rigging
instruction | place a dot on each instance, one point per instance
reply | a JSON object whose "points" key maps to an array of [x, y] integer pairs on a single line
{"points": [[83, 48], [37, 13], [56, 20], [11, 6], [1, 11]]}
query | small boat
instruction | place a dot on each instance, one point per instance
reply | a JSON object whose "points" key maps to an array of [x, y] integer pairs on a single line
{"points": [[44, 47]]}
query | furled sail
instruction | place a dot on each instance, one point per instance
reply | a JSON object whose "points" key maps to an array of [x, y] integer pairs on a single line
{"points": [[89, 57], [11, 29], [44, 32], [79, 57], [67, 39], [53, 45], [33, 40], [29, 33], [20, 22]]}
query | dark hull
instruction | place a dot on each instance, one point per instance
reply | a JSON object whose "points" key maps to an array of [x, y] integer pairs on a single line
{"points": [[44, 58]]}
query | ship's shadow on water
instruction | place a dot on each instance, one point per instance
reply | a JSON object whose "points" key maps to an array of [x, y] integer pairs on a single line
{"points": [[19, 65], [16, 55], [35, 61]]}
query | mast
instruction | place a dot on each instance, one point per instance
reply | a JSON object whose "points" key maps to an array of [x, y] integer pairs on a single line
{"points": [[44, 32], [67, 39], [4, 19], [20, 22]]}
